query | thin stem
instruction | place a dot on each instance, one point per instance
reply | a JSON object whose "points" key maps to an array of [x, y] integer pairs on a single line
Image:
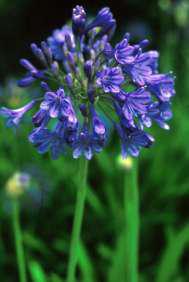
{"points": [[131, 202], [78, 216], [18, 241]]}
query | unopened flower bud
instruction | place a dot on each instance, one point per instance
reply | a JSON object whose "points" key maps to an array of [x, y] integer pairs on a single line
{"points": [[88, 68], [69, 80], [55, 68]]}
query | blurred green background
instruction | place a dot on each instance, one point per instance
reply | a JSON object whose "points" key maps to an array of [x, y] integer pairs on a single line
{"points": [[48, 204]]}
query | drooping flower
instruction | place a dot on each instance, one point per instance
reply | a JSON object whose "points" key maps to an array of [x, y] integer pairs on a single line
{"points": [[160, 112], [86, 82], [133, 140], [87, 143], [162, 85], [136, 103], [14, 117], [44, 140]]}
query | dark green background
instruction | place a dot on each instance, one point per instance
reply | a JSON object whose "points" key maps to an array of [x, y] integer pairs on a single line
{"points": [[47, 208]]}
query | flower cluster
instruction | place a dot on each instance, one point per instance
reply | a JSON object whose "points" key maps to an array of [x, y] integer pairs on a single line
{"points": [[86, 81]]}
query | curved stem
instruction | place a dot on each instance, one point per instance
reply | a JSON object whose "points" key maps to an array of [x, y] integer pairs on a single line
{"points": [[78, 216], [18, 241], [131, 200]]}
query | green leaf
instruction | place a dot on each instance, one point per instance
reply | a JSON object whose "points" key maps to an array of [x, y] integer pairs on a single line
{"points": [[169, 263], [37, 272], [55, 278], [85, 264]]}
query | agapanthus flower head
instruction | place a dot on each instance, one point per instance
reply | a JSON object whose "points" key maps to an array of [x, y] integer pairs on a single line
{"points": [[87, 81]]}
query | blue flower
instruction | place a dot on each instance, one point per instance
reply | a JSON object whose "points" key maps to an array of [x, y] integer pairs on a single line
{"points": [[41, 118], [88, 83], [46, 140], [15, 116], [142, 68], [110, 79], [133, 140], [162, 85], [58, 105], [87, 144], [135, 103], [125, 53], [160, 112]]}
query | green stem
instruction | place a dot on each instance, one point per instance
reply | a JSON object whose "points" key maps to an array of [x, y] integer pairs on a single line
{"points": [[78, 216], [131, 200], [18, 241]]}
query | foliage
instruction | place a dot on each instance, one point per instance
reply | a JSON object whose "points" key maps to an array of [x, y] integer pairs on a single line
{"points": [[47, 207]]}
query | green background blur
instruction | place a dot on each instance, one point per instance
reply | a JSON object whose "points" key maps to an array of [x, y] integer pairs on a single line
{"points": [[48, 205]]}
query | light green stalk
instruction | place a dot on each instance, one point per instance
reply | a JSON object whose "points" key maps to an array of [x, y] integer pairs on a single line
{"points": [[18, 241], [78, 216], [131, 202]]}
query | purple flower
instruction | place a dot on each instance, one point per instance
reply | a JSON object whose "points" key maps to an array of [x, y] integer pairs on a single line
{"points": [[14, 117], [58, 105], [110, 79], [41, 118], [142, 68], [88, 83], [87, 144], [162, 85], [44, 140], [135, 103], [132, 141], [125, 53], [160, 112]]}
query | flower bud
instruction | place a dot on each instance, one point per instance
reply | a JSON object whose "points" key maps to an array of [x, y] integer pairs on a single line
{"points": [[55, 68], [78, 20], [69, 80], [27, 65], [47, 51], [88, 68], [69, 42], [83, 110], [38, 53], [26, 81]]}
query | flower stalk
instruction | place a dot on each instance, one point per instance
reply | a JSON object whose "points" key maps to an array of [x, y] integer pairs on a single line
{"points": [[78, 217], [18, 241], [131, 206]]}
